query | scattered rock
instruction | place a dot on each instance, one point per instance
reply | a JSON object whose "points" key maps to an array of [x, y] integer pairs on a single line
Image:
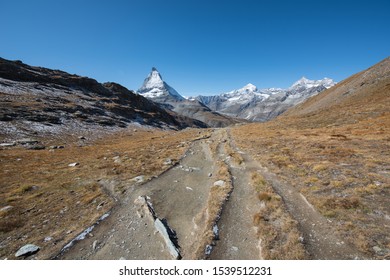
{"points": [[188, 188], [216, 232], [122, 259], [208, 250], [82, 138], [31, 188], [100, 205], [139, 179], [168, 162], [219, 183], [6, 208], [234, 248], [35, 147], [7, 144], [27, 141], [56, 147], [73, 164], [94, 245], [117, 159], [210, 174], [48, 238], [378, 250], [27, 250]]}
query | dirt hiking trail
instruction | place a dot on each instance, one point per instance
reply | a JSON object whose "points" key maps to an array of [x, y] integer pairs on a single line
{"points": [[169, 217]]}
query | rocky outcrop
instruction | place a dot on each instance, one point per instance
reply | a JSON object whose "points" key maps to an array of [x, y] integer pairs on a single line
{"points": [[161, 226]]}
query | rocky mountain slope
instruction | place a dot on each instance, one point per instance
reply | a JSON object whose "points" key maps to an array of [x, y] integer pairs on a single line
{"points": [[155, 89], [333, 151], [41, 100], [255, 104], [361, 97]]}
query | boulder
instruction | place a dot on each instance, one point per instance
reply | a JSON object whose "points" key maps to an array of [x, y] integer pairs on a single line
{"points": [[27, 250]]}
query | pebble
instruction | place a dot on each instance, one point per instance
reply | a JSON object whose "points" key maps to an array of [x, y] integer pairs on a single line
{"points": [[377, 249], [73, 164], [219, 183], [139, 179], [94, 244], [6, 208], [234, 248]]}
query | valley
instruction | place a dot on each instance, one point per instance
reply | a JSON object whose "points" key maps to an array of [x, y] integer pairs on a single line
{"points": [[312, 183]]}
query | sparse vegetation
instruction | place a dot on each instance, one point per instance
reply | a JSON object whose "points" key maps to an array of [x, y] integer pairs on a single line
{"points": [[278, 232], [49, 198], [337, 158], [215, 201]]}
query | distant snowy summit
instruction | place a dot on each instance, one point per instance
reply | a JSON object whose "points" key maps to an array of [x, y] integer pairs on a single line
{"points": [[155, 88], [256, 104], [304, 82]]}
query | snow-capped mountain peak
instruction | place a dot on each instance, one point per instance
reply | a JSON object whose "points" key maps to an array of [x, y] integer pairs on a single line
{"points": [[304, 82], [153, 80], [256, 104], [249, 88], [155, 87]]}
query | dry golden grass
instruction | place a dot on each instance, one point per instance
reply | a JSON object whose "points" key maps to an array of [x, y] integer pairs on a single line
{"points": [[49, 198], [279, 234], [215, 201], [345, 178]]}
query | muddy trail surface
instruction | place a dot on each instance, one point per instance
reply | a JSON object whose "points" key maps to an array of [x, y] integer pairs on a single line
{"points": [[170, 216]]}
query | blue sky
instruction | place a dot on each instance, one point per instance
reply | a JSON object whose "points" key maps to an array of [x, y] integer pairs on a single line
{"points": [[199, 47]]}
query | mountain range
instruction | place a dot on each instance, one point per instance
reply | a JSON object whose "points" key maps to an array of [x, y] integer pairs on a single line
{"points": [[255, 104], [247, 103], [157, 90]]}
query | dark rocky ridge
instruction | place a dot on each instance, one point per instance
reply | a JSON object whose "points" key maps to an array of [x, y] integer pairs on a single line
{"points": [[55, 100]]}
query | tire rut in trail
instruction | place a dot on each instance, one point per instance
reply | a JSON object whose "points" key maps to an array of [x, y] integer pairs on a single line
{"points": [[237, 235], [320, 239]]}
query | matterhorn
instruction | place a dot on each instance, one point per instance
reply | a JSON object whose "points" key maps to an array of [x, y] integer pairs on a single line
{"points": [[156, 89]]}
